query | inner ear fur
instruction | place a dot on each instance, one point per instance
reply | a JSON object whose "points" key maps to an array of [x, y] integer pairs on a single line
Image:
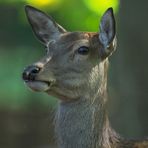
{"points": [[107, 34]]}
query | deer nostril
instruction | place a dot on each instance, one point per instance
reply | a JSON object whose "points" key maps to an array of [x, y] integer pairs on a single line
{"points": [[30, 73], [35, 70]]}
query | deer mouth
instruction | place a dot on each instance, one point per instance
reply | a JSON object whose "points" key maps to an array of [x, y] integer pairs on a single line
{"points": [[38, 85]]}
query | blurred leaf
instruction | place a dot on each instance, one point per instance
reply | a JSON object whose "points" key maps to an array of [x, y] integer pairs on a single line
{"points": [[44, 3], [100, 6]]}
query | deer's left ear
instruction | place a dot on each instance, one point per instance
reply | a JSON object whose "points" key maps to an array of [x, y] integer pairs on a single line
{"points": [[107, 32]]}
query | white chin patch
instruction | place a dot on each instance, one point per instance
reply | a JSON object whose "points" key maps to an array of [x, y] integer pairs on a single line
{"points": [[38, 86]]}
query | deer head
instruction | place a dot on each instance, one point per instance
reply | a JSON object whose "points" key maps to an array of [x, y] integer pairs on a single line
{"points": [[75, 62]]}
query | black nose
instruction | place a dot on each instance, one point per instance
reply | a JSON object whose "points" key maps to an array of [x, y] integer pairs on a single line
{"points": [[30, 73]]}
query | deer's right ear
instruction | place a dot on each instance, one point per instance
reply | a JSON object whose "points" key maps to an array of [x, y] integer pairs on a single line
{"points": [[44, 27]]}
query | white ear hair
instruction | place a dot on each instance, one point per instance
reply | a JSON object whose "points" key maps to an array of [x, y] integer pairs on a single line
{"points": [[51, 41]]}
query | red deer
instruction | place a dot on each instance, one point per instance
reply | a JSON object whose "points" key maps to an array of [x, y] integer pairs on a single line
{"points": [[75, 71]]}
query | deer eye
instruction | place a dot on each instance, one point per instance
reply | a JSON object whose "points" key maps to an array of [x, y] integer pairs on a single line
{"points": [[83, 50]]}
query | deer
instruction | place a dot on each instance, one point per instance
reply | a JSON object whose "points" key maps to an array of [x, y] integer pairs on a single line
{"points": [[74, 70]]}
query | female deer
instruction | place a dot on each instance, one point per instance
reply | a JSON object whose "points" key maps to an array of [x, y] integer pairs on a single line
{"points": [[75, 71]]}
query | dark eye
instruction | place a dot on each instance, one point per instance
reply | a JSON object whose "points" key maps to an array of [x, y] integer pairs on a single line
{"points": [[83, 50]]}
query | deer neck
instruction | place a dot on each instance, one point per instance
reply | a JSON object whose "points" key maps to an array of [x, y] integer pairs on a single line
{"points": [[84, 123], [80, 125]]}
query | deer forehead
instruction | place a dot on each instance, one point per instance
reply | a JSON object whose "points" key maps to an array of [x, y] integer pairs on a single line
{"points": [[71, 37], [71, 41]]}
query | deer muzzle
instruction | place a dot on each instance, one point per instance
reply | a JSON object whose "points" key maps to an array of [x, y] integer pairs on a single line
{"points": [[30, 78]]}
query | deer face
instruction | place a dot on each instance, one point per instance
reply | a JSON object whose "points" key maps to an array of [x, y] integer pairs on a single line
{"points": [[74, 61]]}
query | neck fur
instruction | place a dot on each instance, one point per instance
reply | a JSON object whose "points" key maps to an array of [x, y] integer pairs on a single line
{"points": [[84, 123]]}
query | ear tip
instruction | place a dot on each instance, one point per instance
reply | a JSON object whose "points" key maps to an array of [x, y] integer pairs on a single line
{"points": [[111, 10], [29, 7]]}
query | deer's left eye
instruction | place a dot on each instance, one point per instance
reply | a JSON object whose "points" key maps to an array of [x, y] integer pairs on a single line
{"points": [[83, 50]]}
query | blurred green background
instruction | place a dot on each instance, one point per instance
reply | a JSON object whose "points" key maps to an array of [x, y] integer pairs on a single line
{"points": [[26, 117]]}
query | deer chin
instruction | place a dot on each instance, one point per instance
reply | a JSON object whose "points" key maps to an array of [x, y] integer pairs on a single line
{"points": [[39, 86]]}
